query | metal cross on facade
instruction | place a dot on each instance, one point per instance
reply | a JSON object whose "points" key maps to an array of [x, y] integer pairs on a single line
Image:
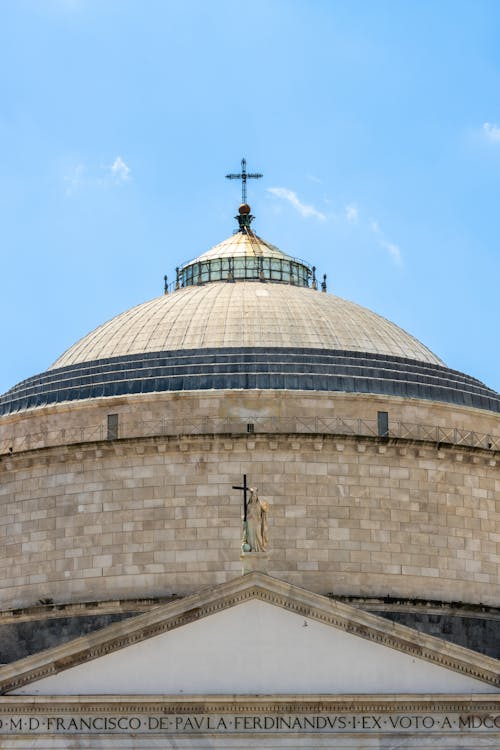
{"points": [[244, 176], [244, 489]]}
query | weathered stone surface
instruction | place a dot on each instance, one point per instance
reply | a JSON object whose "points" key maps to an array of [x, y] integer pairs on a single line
{"points": [[155, 516], [24, 638], [477, 633]]}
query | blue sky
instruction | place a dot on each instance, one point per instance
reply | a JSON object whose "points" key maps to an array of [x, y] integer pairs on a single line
{"points": [[376, 125]]}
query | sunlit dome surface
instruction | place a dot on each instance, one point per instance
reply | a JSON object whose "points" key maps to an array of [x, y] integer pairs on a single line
{"points": [[248, 314], [239, 245], [244, 315]]}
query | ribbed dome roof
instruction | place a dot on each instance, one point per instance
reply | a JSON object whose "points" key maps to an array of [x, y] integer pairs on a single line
{"points": [[248, 314]]}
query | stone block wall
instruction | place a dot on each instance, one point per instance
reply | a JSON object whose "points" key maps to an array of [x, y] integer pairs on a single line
{"points": [[156, 516]]}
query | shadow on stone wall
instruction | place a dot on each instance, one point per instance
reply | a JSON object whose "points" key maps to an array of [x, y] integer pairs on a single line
{"points": [[21, 639], [477, 633]]}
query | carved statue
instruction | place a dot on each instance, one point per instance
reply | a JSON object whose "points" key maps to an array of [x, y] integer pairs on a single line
{"points": [[255, 534]]}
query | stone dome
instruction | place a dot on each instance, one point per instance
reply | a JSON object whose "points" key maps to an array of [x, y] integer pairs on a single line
{"points": [[245, 314]]}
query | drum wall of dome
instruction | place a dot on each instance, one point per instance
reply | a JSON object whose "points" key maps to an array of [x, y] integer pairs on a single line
{"points": [[158, 413], [155, 515]]}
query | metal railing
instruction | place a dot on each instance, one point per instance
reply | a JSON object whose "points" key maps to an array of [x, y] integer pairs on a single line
{"points": [[341, 426]]}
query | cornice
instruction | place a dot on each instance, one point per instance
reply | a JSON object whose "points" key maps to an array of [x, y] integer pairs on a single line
{"points": [[97, 449], [245, 588], [251, 704]]}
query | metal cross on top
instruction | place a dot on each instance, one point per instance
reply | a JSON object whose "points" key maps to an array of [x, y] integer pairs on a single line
{"points": [[244, 489], [244, 176]]}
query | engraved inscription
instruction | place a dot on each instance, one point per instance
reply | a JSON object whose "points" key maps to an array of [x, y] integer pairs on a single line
{"points": [[195, 723]]}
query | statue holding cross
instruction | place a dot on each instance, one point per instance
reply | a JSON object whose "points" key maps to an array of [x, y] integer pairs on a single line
{"points": [[254, 519]]}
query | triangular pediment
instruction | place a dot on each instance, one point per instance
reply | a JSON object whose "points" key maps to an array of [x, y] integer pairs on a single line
{"points": [[253, 635]]}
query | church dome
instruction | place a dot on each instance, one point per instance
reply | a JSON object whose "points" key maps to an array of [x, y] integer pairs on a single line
{"points": [[245, 292], [245, 315]]}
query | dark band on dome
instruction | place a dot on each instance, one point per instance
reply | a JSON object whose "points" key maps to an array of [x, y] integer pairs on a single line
{"points": [[250, 368]]}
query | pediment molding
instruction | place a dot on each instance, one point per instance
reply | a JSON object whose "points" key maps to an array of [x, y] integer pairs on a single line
{"points": [[258, 586]]}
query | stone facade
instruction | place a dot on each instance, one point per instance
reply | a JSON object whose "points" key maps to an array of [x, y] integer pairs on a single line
{"points": [[151, 514], [25, 632], [229, 411], [117, 498], [151, 682]]}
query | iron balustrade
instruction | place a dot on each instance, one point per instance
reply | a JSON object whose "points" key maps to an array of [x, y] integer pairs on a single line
{"points": [[165, 426], [244, 268]]}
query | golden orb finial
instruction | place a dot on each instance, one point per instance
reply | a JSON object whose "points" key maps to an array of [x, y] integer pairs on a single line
{"points": [[244, 209]]}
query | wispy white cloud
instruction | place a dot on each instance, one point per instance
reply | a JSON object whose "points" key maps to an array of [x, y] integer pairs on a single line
{"points": [[80, 176], [393, 251], [491, 131], [304, 209], [313, 178], [351, 212], [391, 247], [120, 172]]}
